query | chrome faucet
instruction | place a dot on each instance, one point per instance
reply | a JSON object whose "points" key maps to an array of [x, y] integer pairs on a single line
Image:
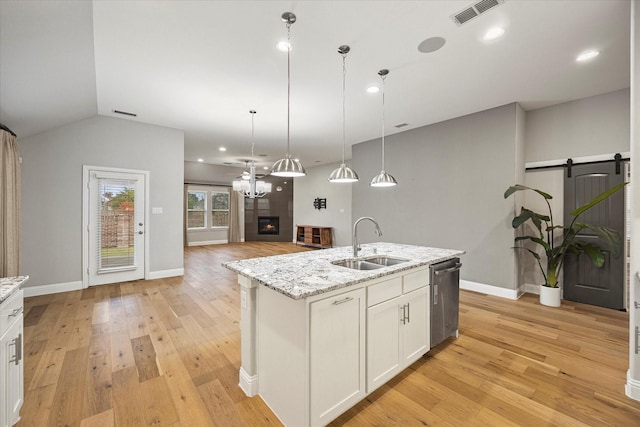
{"points": [[355, 233]]}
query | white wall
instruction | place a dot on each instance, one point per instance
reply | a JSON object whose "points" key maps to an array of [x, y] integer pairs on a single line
{"points": [[338, 212], [52, 193], [451, 179], [586, 127], [633, 375]]}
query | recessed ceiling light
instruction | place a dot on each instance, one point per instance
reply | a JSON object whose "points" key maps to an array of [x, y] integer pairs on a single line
{"points": [[284, 46], [265, 168], [201, 160], [493, 33], [373, 89], [587, 55], [222, 149]]}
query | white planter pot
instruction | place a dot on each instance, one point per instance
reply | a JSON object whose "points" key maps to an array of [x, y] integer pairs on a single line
{"points": [[550, 296]]}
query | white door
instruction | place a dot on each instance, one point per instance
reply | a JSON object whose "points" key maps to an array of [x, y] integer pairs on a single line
{"points": [[115, 226]]}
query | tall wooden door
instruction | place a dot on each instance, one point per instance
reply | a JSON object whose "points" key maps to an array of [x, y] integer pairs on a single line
{"points": [[583, 282], [115, 226]]}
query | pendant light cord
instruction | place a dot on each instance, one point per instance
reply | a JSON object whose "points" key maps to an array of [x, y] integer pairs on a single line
{"points": [[383, 77], [252, 127], [344, 132], [288, 85]]}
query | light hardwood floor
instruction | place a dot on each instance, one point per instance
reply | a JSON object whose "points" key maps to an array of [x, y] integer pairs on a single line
{"points": [[167, 352]]}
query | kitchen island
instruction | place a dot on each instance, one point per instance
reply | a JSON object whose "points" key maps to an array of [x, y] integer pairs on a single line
{"points": [[319, 335]]}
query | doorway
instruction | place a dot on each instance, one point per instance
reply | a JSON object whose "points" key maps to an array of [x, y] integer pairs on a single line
{"points": [[114, 225], [583, 282]]}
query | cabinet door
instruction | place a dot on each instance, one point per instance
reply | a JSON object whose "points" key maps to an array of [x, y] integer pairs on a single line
{"points": [[383, 343], [337, 355], [415, 327], [12, 373]]}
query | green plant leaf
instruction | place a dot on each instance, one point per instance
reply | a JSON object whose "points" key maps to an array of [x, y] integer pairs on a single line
{"points": [[594, 253], [535, 254], [518, 187], [598, 199], [537, 240], [608, 238], [526, 214]]}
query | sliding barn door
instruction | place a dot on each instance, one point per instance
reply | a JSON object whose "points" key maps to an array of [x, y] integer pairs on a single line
{"points": [[583, 282]]}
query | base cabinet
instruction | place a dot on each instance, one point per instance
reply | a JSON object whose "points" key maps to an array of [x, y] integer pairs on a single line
{"points": [[337, 355], [318, 357], [11, 362], [397, 335]]}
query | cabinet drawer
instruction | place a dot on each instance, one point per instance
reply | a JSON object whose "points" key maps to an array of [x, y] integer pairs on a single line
{"points": [[384, 291], [415, 280], [10, 310]]}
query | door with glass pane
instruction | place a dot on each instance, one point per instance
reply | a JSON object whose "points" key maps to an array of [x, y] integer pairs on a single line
{"points": [[116, 241]]}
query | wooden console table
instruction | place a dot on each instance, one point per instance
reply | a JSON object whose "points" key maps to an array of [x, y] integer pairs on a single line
{"points": [[313, 235]]}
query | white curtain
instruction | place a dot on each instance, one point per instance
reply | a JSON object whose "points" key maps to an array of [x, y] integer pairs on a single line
{"points": [[234, 216], [9, 205]]}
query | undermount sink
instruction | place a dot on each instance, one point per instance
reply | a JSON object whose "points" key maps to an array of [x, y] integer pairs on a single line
{"points": [[371, 263], [386, 260], [356, 264]]}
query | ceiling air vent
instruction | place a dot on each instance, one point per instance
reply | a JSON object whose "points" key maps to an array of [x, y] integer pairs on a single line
{"points": [[476, 9]]}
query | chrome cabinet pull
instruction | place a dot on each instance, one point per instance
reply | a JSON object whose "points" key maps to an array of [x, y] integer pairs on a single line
{"points": [[342, 301], [408, 314], [16, 312], [17, 342]]}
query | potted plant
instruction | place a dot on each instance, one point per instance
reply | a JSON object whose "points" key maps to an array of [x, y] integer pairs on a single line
{"points": [[558, 240]]}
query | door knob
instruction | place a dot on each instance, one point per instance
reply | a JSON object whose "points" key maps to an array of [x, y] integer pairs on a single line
{"points": [[140, 232]]}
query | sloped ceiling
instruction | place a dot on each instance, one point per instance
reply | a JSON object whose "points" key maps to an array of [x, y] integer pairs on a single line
{"points": [[201, 66]]}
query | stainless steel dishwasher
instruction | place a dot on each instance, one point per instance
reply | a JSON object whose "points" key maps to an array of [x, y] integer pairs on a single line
{"points": [[445, 299]]}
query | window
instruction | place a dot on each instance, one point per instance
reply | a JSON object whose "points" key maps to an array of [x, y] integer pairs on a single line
{"points": [[220, 209], [196, 208]]}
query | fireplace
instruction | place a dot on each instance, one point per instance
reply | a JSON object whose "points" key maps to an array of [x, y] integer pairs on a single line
{"points": [[268, 225]]}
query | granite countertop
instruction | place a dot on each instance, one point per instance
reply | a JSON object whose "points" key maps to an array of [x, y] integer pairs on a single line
{"points": [[8, 285], [304, 274]]}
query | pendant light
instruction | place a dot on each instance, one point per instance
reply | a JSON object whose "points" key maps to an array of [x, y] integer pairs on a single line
{"points": [[288, 167], [383, 179], [343, 173], [248, 186]]}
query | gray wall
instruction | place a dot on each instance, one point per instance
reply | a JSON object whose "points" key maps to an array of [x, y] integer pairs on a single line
{"points": [[276, 203], [451, 178], [338, 212], [586, 127], [205, 173], [52, 192]]}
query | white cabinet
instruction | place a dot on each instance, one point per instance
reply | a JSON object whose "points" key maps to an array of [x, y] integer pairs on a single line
{"points": [[319, 356], [337, 355], [397, 327], [11, 363]]}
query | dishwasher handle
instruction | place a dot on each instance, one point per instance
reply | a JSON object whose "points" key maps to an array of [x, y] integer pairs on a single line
{"points": [[449, 270]]}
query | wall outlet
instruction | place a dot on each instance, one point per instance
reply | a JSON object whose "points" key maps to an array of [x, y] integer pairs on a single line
{"points": [[243, 299], [156, 211]]}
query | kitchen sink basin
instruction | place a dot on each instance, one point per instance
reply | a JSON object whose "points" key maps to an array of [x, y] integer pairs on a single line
{"points": [[386, 261], [370, 263], [356, 264]]}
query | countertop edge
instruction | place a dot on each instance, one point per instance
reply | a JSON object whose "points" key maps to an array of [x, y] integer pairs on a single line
{"points": [[349, 281], [10, 285]]}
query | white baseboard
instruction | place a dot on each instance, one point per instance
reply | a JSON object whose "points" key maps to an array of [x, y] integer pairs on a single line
{"points": [[54, 288], [207, 242], [482, 288], [632, 388], [161, 274], [248, 383]]}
